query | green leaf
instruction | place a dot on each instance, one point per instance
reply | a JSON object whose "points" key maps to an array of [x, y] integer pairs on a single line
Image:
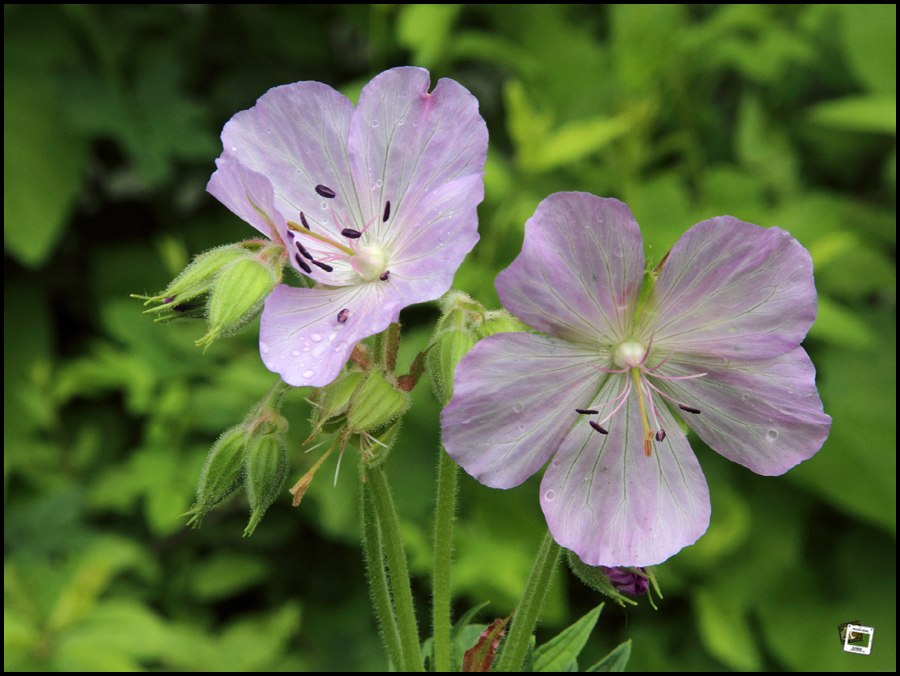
{"points": [[562, 651], [725, 631], [858, 113], [617, 659]]}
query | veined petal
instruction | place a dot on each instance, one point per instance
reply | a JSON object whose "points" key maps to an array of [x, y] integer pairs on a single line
{"points": [[612, 505], [731, 289], [296, 135], [514, 400], [301, 338], [763, 413], [423, 266], [406, 143], [234, 185], [579, 274]]}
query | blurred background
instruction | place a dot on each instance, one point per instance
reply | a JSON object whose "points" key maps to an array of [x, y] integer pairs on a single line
{"points": [[779, 115]]}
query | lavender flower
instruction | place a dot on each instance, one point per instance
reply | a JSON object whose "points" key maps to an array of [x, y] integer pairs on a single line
{"points": [[376, 204], [715, 342]]}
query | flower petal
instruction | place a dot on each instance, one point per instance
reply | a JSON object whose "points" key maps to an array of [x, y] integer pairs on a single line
{"points": [[432, 251], [579, 274], [514, 400], [611, 504], [296, 135], [733, 289], [764, 413], [239, 189], [300, 336], [405, 143]]}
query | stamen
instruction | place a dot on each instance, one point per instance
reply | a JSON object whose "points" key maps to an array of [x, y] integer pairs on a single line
{"points": [[689, 409], [325, 267], [387, 211], [349, 233], [587, 411], [326, 192], [597, 427], [660, 435], [303, 221], [384, 275], [648, 433], [303, 250], [302, 264], [342, 316]]}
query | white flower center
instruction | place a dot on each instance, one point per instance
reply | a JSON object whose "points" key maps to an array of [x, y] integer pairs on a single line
{"points": [[369, 262], [629, 354]]}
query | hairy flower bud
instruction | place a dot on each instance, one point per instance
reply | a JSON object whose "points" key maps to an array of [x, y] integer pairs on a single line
{"points": [[501, 321], [239, 291], [222, 474], [375, 403], [614, 582], [197, 278], [449, 348], [265, 464]]}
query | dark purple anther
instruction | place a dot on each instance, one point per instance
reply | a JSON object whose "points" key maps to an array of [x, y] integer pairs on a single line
{"points": [[325, 192], [351, 234], [303, 251], [325, 267], [597, 427], [660, 435], [387, 211], [384, 275], [303, 221], [688, 409], [587, 411], [168, 300], [342, 316], [302, 264]]}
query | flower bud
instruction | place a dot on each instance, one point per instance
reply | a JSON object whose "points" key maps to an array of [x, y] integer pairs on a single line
{"points": [[222, 474], [375, 403], [449, 348], [375, 449], [332, 400], [501, 321], [265, 464], [197, 278], [614, 582], [238, 294]]}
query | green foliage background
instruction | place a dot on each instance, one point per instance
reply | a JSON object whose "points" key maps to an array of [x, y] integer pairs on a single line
{"points": [[779, 115]]}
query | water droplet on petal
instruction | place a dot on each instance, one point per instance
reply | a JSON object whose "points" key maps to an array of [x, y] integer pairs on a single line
{"points": [[315, 337], [745, 397], [519, 407], [619, 252], [295, 353], [556, 463], [379, 183], [549, 496], [309, 373], [772, 435], [522, 427], [374, 123], [263, 347]]}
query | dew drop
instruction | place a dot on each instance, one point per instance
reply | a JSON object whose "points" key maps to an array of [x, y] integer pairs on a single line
{"points": [[324, 206], [379, 183], [309, 373], [233, 149], [549, 496], [332, 337], [315, 337], [519, 407], [619, 252], [374, 123], [295, 353], [556, 463], [772, 435], [521, 427], [400, 123], [745, 397], [416, 124], [263, 347]]}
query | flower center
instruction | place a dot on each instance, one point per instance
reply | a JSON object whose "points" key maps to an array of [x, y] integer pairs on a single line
{"points": [[368, 262], [631, 358]]}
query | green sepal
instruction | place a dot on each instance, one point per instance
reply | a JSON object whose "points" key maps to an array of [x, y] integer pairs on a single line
{"points": [[222, 474], [265, 466], [375, 403]]}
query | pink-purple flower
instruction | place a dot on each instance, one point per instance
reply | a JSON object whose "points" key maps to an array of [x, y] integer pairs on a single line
{"points": [[375, 203], [716, 342]]}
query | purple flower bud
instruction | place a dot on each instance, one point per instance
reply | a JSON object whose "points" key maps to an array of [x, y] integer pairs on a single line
{"points": [[626, 581]]}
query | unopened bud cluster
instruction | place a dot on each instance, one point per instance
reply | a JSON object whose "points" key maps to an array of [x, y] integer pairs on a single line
{"points": [[616, 582], [463, 323], [252, 455], [227, 285]]}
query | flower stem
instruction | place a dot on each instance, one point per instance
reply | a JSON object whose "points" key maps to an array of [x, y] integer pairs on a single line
{"points": [[378, 583], [444, 513], [389, 524], [526, 615]]}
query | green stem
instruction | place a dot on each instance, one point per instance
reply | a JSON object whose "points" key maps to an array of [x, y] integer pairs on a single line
{"points": [[378, 584], [399, 572], [526, 615], [444, 513]]}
